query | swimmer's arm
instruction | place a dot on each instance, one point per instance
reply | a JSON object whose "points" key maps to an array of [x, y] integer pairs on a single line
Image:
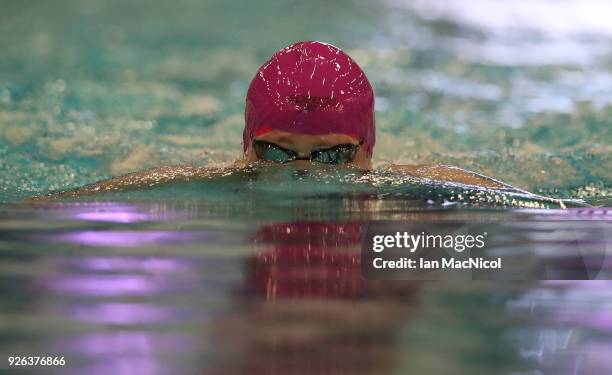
{"points": [[137, 180], [448, 173]]}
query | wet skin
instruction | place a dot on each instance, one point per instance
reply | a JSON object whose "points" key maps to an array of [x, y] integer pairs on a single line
{"points": [[303, 144]]}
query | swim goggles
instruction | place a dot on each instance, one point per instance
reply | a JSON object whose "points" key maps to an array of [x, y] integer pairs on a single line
{"points": [[338, 154]]}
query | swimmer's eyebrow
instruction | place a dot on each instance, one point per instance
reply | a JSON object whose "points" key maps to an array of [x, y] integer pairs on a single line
{"points": [[290, 142], [283, 142], [328, 145], [337, 145]]}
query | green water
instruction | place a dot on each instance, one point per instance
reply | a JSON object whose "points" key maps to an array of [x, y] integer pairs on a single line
{"points": [[258, 272], [93, 89]]}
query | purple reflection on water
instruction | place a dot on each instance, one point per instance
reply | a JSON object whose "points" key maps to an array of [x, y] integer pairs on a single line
{"points": [[579, 284], [128, 343], [115, 264], [127, 313], [601, 321], [106, 285], [580, 303], [114, 212], [124, 238], [121, 276], [602, 214], [123, 365], [584, 303], [113, 216]]}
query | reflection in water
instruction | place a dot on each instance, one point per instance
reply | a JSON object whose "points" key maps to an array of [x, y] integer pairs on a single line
{"points": [[301, 308], [307, 309], [124, 304], [126, 313], [124, 288], [128, 238], [307, 260], [151, 264], [113, 212], [573, 326], [287, 297], [117, 217], [123, 352], [105, 285], [120, 336]]}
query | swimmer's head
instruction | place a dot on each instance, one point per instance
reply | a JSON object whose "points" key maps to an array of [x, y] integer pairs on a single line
{"points": [[311, 96]]}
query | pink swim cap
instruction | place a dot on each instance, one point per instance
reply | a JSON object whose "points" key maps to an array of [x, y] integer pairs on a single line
{"points": [[311, 88]]}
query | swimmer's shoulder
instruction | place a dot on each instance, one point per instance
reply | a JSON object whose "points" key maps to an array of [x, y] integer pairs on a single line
{"points": [[449, 173], [138, 180]]}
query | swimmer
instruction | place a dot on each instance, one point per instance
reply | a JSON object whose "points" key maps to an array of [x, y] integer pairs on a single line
{"points": [[309, 104]]}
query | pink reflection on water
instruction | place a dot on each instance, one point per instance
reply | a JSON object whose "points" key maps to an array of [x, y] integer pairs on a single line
{"points": [[106, 285], [127, 352], [584, 303], [603, 214], [127, 313], [599, 320], [115, 212], [123, 365], [121, 276], [113, 216], [580, 303], [97, 281], [125, 238], [573, 322], [115, 264], [127, 343]]}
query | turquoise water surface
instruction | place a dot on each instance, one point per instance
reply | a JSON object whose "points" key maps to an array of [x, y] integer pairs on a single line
{"points": [[96, 89], [258, 271]]}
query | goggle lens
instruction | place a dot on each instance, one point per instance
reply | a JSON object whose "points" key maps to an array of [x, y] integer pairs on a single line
{"points": [[339, 154]]}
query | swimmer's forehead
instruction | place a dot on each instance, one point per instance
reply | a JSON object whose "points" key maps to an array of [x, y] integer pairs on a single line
{"points": [[305, 142]]}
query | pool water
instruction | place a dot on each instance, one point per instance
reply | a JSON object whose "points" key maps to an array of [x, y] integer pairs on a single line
{"points": [[274, 285], [259, 272]]}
